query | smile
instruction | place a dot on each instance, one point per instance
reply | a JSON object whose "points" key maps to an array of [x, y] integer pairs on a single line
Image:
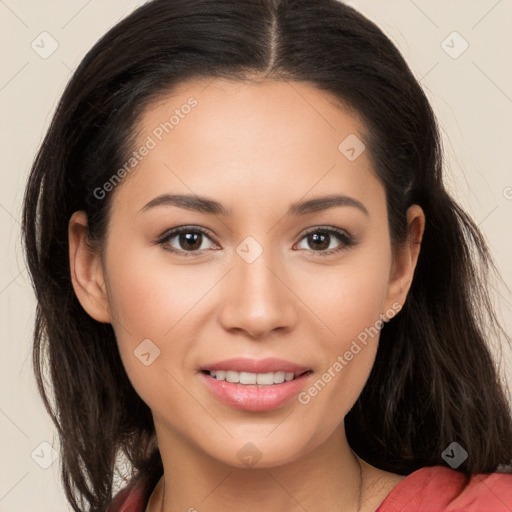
{"points": [[248, 378]]}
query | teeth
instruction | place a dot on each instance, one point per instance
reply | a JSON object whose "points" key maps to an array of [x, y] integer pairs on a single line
{"points": [[249, 378], [279, 377], [262, 379]]}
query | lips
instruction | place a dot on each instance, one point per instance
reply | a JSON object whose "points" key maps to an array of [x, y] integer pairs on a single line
{"points": [[254, 385], [269, 365]]}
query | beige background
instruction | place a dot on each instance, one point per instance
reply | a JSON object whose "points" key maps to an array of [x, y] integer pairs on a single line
{"points": [[471, 94]]}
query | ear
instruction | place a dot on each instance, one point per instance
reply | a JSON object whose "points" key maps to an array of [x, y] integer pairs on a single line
{"points": [[405, 258], [86, 270]]}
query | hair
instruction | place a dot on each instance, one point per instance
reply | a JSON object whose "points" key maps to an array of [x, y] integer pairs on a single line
{"points": [[434, 380]]}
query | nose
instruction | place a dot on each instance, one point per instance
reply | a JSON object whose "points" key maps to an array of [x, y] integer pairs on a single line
{"points": [[257, 299]]}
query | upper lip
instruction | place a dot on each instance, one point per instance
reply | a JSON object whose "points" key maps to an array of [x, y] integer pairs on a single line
{"points": [[242, 364]]}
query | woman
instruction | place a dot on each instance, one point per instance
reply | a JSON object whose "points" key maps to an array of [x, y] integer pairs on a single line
{"points": [[251, 280]]}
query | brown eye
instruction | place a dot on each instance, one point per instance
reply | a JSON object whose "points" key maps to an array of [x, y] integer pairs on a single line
{"points": [[319, 241], [325, 241], [185, 240], [190, 241]]}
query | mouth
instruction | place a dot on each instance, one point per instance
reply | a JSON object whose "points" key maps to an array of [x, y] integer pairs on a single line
{"points": [[255, 392], [255, 385], [255, 379]]}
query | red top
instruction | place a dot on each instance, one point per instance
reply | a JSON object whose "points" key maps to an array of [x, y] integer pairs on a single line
{"points": [[429, 489]]}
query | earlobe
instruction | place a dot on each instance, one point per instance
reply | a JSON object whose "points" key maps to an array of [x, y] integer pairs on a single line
{"points": [[86, 270], [406, 257]]}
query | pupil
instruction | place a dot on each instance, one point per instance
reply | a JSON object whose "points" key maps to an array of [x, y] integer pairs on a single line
{"points": [[188, 239], [322, 238]]}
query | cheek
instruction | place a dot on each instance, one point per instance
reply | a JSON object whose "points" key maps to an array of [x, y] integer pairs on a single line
{"points": [[145, 306], [154, 306], [149, 296], [347, 351], [348, 300]]}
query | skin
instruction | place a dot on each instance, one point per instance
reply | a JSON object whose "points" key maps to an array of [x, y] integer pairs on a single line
{"points": [[256, 147]]}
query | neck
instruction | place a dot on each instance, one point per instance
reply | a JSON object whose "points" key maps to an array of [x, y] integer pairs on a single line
{"points": [[328, 477]]}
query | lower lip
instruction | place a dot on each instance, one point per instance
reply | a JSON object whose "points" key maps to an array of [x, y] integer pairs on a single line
{"points": [[253, 397]]}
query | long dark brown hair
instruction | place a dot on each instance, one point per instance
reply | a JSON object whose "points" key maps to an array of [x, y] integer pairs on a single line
{"points": [[434, 380]]}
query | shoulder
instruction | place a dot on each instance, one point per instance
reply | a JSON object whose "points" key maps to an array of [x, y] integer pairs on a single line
{"points": [[438, 488]]}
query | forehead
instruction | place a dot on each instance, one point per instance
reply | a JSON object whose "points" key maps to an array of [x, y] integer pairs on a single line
{"points": [[250, 139], [237, 112]]}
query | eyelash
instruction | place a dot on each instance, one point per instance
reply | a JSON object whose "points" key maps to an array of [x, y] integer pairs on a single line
{"points": [[346, 239]]}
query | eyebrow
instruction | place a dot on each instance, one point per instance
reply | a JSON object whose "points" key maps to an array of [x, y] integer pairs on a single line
{"points": [[206, 205]]}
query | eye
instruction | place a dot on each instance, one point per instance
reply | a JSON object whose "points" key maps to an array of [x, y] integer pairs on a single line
{"points": [[191, 241], [326, 241], [185, 239]]}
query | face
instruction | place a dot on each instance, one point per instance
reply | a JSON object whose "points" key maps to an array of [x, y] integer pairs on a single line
{"points": [[279, 256]]}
